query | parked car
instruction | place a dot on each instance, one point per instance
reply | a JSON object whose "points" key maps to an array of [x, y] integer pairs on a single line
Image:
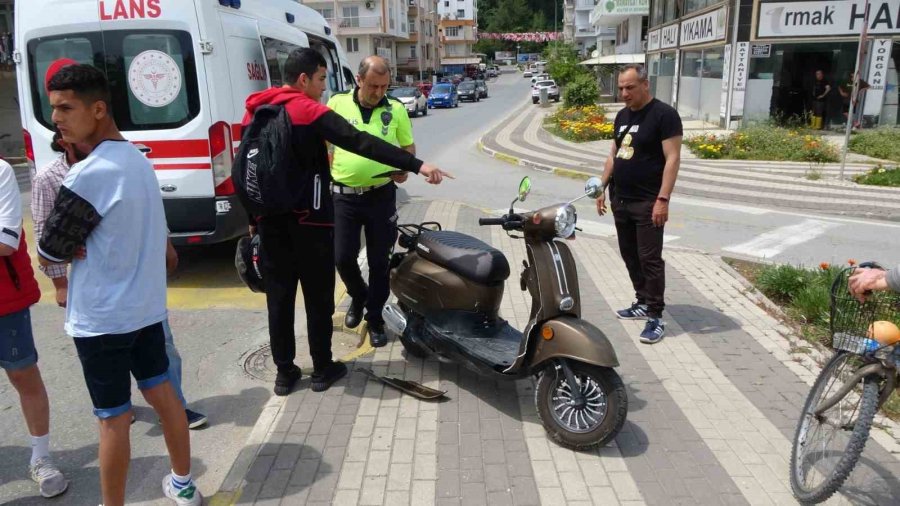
{"points": [[493, 71], [413, 99], [482, 88], [468, 91], [527, 73], [552, 90], [425, 87], [443, 95], [540, 77]]}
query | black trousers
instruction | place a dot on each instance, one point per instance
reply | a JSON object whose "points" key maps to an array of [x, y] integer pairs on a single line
{"points": [[375, 212], [292, 253], [641, 244]]}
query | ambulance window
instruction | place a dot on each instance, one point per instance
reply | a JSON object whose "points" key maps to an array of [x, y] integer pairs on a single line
{"points": [[323, 48], [155, 72], [349, 78], [42, 53], [277, 53]]}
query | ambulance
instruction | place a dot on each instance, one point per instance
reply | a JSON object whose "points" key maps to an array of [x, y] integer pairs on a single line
{"points": [[180, 71]]}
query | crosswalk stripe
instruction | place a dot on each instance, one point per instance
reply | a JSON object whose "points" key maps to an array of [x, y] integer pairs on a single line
{"points": [[773, 242]]}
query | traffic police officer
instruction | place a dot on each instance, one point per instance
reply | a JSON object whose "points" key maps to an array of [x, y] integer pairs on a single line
{"points": [[362, 200]]}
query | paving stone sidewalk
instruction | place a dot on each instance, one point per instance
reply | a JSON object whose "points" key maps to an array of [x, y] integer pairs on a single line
{"points": [[522, 140], [712, 409]]}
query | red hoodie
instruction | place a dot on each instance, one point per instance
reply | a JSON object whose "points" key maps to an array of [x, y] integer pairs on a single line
{"points": [[313, 125]]}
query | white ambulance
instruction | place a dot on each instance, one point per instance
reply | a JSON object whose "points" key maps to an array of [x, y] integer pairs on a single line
{"points": [[180, 71]]}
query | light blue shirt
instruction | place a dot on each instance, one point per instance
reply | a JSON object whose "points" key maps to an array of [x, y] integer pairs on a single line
{"points": [[120, 286]]}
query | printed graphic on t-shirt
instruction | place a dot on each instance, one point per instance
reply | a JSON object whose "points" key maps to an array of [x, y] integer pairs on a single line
{"points": [[625, 152]]}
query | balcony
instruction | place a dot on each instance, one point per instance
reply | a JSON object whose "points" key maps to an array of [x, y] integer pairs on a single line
{"points": [[385, 53], [585, 5]]}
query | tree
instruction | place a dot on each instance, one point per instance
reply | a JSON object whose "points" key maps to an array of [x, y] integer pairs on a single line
{"points": [[562, 62]]}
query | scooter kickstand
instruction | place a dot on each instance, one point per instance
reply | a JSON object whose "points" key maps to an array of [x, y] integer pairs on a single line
{"points": [[577, 395]]}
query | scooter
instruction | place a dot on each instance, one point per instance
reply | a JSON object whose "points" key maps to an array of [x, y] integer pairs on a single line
{"points": [[449, 287]]}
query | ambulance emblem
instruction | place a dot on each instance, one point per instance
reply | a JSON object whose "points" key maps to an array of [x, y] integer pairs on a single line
{"points": [[154, 78]]}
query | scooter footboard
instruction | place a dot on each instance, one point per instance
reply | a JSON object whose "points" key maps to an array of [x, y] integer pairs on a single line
{"points": [[576, 339]]}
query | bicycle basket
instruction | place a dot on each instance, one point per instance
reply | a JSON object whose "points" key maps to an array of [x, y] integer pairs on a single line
{"points": [[850, 319]]}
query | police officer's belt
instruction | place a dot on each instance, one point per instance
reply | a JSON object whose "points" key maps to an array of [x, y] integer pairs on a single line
{"points": [[355, 190]]}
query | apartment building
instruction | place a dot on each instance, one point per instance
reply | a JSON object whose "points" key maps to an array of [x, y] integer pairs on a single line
{"points": [[367, 27], [458, 33], [418, 57]]}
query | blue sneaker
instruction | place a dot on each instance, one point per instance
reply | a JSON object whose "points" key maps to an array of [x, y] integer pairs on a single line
{"points": [[635, 312], [654, 331]]}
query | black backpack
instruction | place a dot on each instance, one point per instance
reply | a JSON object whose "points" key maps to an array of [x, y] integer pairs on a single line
{"points": [[266, 172]]}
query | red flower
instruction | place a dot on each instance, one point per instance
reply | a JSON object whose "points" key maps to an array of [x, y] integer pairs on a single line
{"points": [[824, 266], [852, 262]]}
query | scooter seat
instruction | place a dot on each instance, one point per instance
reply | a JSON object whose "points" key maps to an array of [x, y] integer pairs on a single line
{"points": [[464, 255]]}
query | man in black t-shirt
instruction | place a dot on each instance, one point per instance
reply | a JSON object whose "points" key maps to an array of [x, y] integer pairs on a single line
{"points": [[641, 169]]}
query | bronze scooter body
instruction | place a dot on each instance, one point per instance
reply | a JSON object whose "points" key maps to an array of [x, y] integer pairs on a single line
{"points": [[449, 287]]}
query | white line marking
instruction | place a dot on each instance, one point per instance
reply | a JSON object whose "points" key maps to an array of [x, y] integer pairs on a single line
{"points": [[775, 241], [720, 205]]}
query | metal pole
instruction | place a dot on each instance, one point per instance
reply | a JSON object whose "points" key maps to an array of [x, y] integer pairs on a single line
{"points": [[853, 94]]}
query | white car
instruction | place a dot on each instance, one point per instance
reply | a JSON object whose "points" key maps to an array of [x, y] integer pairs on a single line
{"points": [[527, 73], [539, 77], [552, 90], [413, 99]]}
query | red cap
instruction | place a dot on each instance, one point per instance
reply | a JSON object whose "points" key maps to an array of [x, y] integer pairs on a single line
{"points": [[55, 67]]}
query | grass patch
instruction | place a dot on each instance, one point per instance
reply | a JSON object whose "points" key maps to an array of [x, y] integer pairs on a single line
{"points": [[881, 143], [804, 296], [580, 124], [764, 142], [879, 176]]}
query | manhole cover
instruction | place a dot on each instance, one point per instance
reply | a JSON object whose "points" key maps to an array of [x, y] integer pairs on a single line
{"points": [[258, 363]]}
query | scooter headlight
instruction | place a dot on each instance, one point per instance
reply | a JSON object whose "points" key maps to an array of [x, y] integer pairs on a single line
{"points": [[565, 221]]}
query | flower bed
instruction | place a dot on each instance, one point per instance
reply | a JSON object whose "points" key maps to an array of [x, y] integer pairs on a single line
{"points": [[763, 143], [880, 176], [581, 124], [881, 143]]}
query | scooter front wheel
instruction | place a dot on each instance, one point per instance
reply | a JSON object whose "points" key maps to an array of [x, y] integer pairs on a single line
{"points": [[592, 424]]}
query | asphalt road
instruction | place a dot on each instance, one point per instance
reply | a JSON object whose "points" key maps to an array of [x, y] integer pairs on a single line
{"points": [[218, 324]]}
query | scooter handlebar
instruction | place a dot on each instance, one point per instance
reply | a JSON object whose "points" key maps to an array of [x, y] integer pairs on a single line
{"points": [[491, 221]]}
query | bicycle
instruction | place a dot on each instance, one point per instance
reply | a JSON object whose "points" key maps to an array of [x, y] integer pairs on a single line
{"points": [[844, 399]]}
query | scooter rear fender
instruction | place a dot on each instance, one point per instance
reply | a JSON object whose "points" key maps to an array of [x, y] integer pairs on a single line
{"points": [[575, 339]]}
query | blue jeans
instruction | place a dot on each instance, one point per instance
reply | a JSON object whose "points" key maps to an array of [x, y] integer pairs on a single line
{"points": [[174, 362]]}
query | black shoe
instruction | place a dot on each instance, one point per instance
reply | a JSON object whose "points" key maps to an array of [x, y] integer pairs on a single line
{"points": [[354, 313], [321, 381], [376, 335], [195, 420], [284, 381]]}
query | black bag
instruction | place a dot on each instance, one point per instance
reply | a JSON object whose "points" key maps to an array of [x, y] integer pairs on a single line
{"points": [[246, 261], [266, 172]]}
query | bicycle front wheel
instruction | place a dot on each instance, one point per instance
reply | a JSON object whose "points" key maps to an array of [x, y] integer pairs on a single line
{"points": [[828, 445]]}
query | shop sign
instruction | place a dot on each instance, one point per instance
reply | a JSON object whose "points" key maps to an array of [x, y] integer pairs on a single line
{"points": [[760, 50], [826, 19], [623, 8], [726, 73], [668, 37], [878, 72], [653, 40], [741, 62], [704, 28]]}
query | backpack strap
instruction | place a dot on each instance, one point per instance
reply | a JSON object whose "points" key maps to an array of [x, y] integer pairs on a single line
{"points": [[13, 275]]}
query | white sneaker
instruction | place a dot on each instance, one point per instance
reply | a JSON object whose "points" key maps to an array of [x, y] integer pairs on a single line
{"points": [[188, 496], [48, 477]]}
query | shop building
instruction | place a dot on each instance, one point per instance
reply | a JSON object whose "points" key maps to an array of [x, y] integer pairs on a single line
{"points": [[727, 63]]}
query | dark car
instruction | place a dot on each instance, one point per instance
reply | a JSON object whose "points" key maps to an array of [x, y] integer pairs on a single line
{"points": [[482, 88], [443, 95], [468, 91]]}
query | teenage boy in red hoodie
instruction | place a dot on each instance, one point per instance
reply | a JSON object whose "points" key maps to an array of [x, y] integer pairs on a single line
{"points": [[299, 246]]}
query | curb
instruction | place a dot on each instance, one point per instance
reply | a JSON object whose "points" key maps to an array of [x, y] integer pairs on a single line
{"points": [[232, 487], [540, 167]]}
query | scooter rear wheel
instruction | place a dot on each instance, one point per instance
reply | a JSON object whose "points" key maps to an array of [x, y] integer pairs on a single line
{"points": [[593, 425]]}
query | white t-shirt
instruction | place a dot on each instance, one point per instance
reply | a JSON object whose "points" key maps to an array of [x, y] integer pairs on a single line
{"points": [[111, 204], [10, 207]]}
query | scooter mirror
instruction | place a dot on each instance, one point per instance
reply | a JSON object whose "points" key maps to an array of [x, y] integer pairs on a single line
{"points": [[593, 187], [524, 188]]}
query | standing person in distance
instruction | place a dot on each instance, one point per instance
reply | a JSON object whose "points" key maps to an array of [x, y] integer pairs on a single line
{"points": [[641, 170], [299, 246], [18, 355], [363, 201], [109, 206]]}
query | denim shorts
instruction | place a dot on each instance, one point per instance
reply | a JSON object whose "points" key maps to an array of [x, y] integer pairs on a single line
{"points": [[108, 362], [16, 341]]}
